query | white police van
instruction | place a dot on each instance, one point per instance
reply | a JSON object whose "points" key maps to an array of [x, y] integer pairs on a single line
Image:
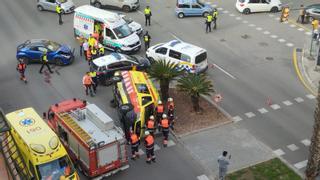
{"points": [[116, 34], [189, 57]]}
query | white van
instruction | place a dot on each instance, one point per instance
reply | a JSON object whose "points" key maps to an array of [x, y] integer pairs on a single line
{"points": [[189, 57], [116, 34], [125, 5], [250, 6]]}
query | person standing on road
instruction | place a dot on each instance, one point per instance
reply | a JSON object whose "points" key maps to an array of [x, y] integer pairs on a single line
{"points": [[134, 141], [85, 47], [151, 125], [21, 67], [44, 60], [223, 162], [94, 77], [146, 39], [59, 12], [149, 144], [159, 111], [101, 50], [215, 17], [147, 14], [208, 23], [94, 53], [87, 83], [164, 123], [315, 24], [81, 41], [302, 13], [170, 112]]}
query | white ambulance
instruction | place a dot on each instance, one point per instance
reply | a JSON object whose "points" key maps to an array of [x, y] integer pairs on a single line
{"points": [[115, 32]]}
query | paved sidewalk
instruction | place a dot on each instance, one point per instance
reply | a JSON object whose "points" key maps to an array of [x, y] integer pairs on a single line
{"points": [[244, 148]]}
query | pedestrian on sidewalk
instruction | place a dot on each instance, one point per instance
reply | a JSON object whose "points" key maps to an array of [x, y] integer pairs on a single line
{"points": [[223, 162], [302, 13]]}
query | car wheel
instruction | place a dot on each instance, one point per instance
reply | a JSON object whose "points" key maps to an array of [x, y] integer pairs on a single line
{"points": [[40, 8], [274, 9], [124, 108], [180, 15], [205, 14], [246, 11], [126, 8], [97, 4], [58, 61], [26, 60]]}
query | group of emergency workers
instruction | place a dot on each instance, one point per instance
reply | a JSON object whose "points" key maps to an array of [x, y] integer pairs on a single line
{"points": [[212, 17], [163, 121]]}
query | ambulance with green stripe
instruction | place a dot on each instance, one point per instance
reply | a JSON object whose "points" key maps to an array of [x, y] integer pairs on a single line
{"points": [[135, 92], [115, 32]]}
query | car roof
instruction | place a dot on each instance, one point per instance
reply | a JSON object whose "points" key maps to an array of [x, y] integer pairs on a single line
{"points": [[108, 59], [183, 47], [36, 42]]}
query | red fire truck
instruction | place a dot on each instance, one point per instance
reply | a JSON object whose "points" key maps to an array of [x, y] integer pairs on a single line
{"points": [[95, 144]]}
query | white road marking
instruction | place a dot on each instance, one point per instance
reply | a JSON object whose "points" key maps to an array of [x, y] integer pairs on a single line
{"points": [[307, 33], [300, 29], [293, 25], [156, 147], [271, 15], [238, 18], [259, 28], [220, 8], [310, 96], [290, 44], [278, 152], [277, 18], [225, 12], [175, 37], [245, 21], [262, 110], [202, 177], [306, 142], [273, 36], [141, 152], [266, 32], [252, 25], [298, 99], [281, 40], [250, 114], [286, 22], [231, 15], [140, 12], [171, 143], [287, 103], [301, 164], [292, 147], [275, 106], [237, 118], [221, 69]]}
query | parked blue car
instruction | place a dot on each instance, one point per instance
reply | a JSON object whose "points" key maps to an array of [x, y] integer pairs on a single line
{"points": [[192, 8], [32, 50]]}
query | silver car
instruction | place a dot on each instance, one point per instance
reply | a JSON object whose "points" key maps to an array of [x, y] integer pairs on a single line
{"points": [[50, 5], [313, 13]]}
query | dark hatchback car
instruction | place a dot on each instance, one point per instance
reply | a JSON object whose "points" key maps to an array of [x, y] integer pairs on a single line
{"points": [[106, 66], [32, 50]]}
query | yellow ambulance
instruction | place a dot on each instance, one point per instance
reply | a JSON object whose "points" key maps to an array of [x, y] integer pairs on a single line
{"points": [[134, 92], [40, 147]]}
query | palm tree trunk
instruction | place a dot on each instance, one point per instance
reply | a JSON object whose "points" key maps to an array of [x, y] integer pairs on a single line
{"points": [[164, 88], [314, 151], [195, 103]]}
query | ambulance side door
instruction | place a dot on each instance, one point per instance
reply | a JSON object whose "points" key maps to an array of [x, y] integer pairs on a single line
{"points": [[109, 38]]}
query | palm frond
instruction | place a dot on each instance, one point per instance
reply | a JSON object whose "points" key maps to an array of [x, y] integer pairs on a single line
{"points": [[195, 85]]}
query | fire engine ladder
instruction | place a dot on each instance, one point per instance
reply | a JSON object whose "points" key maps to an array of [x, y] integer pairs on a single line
{"points": [[11, 153], [75, 127]]}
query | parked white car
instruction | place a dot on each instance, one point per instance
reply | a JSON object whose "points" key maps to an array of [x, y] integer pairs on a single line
{"points": [[250, 6], [136, 27], [67, 6]]}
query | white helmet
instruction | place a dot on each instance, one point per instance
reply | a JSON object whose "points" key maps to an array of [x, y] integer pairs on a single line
{"points": [[159, 102], [146, 133], [117, 73], [164, 116], [152, 117], [170, 99]]}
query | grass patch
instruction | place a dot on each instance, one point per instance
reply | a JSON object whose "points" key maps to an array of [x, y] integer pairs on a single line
{"points": [[273, 169]]}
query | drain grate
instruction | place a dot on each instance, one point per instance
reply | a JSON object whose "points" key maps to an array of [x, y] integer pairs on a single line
{"points": [[269, 58], [245, 36]]}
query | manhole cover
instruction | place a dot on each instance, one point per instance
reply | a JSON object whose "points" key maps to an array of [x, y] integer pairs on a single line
{"points": [[269, 58], [245, 36], [263, 44], [299, 50], [222, 40]]}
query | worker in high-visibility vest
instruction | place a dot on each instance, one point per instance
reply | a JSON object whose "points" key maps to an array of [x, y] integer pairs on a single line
{"points": [[149, 144], [59, 12], [315, 24], [208, 23], [164, 123], [147, 14], [21, 67], [134, 141], [87, 83], [44, 60], [146, 39], [215, 17], [285, 14]]}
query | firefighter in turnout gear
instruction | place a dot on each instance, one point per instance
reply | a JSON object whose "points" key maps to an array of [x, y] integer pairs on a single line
{"points": [[135, 142], [159, 112], [88, 83], [149, 144], [164, 123], [151, 125], [170, 112], [146, 39], [21, 67]]}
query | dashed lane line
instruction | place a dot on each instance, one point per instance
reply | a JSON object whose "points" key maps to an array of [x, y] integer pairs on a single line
{"points": [[245, 22], [221, 69], [275, 106], [300, 29], [289, 44], [202, 177], [250, 114], [310, 96], [306, 142], [287, 103], [281, 40], [274, 36], [262, 110], [259, 28], [292, 147], [225, 12], [299, 99], [279, 152], [237, 119], [266, 32], [220, 8], [301, 164]]}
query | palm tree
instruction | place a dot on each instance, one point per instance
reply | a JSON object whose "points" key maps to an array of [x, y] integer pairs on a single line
{"points": [[164, 72], [195, 85], [314, 151]]}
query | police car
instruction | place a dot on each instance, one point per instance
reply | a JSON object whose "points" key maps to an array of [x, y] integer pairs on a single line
{"points": [[107, 65], [191, 58]]}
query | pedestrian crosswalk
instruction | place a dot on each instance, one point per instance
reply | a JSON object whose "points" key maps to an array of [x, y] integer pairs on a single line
{"points": [[157, 147]]}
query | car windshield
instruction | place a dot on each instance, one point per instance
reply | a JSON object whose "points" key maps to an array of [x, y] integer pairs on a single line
{"points": [[128, 20], [122, 31], [52, 46], [56, 169]]}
